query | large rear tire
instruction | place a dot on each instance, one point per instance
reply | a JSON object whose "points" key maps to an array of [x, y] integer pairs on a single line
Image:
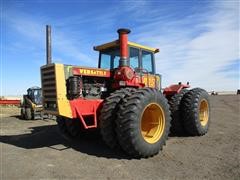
{"points": [[69, 128], [143, 123], [195, 109], [177, 121], [109, 114]]}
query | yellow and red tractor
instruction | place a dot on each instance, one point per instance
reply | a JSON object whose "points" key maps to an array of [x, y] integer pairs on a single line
{"points": [[123, 97]]}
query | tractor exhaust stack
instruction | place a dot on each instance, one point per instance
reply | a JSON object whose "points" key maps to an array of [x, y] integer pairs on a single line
{"points": [[123, 40], [48, 45]]}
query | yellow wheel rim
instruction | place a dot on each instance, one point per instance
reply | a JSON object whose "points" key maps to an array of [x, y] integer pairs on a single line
{"points": [[203, 112], [152, 123]]}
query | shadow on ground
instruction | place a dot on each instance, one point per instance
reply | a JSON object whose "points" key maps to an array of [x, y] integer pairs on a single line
{"points": [[183, 134], [36, 118], [49, 136]]}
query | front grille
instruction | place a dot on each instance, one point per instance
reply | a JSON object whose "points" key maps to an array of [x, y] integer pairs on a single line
{"points": [[49, 87]]}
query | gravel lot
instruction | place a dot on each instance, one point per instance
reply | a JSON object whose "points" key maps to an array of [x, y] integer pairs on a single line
{"points": [[35, 150]]}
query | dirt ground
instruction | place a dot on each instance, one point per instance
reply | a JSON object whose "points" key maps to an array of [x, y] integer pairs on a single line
{"points": [[35, 150]]}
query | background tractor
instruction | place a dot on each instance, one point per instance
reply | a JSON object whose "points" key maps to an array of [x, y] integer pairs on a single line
{"points": [[123, 97], [31, 105]]}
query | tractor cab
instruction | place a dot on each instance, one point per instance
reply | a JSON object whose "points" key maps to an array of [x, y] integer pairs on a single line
{"points": [[131, 62], [35, 95], [141, 58]]}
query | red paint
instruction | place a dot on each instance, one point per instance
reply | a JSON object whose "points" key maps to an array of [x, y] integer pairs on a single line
{"points": [[135, 82], [123, 38], [9, 102], [124, 73], [85, 110], [174, 89], [127, 76]]}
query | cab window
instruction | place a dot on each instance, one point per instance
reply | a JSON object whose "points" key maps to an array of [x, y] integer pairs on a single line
{"points": [[134, 57], [116, 61], [105, 61], [147, 61], [109, 59]]}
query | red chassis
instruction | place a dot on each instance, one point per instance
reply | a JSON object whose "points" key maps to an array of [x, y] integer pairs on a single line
{"points": [[174, 89], [86, 110]]}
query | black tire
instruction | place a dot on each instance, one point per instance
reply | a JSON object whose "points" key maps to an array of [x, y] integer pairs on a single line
{"points": [[22, 113], [28, 113], [69, 128], [190, 107], [108, 115], [130, 119], [177, 122], [33, 115]]}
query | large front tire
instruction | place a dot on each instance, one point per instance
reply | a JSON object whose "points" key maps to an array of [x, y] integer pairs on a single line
{"points": [[109, 114], [143, 123], [195, 109]]}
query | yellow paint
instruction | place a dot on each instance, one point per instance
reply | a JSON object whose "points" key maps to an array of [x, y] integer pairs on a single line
{"points": [[92, 72], [106, 45], [31, 103], [69, 68], [152, 123], [203, 112], [158, 82], [142, 47], [149, 80], [132, 44], [63, 104]]}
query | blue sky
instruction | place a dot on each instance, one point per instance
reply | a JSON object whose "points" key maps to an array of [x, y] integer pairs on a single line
{"points": [[198, 40]]}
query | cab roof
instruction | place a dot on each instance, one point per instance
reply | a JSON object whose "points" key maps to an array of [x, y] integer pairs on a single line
{"points": [[34, 88], [116, 43]]}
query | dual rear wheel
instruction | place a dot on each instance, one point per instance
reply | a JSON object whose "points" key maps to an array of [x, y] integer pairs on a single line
{"points": [[190, 112], [195, 109]]}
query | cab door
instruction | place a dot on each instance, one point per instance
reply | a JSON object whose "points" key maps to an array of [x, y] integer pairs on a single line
{"points": [[143, 63], [148, 75]]}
